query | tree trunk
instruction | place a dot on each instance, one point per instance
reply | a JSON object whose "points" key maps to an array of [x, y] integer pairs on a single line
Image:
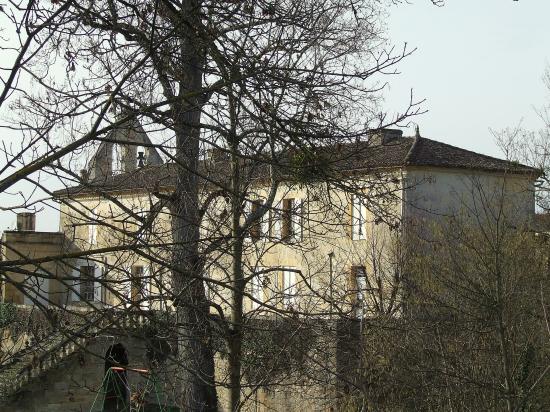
{"points": [[238, 285], [196, 370]]}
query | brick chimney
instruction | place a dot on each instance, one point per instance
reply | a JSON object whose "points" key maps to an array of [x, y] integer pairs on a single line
{"points": [[26, 222], [379, 137]]}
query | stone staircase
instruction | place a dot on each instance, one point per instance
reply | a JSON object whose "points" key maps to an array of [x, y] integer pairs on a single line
{"points": [[30, 363], [35, 360]]}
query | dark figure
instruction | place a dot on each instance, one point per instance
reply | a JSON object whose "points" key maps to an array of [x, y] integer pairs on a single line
{"points": [[117, 394]]}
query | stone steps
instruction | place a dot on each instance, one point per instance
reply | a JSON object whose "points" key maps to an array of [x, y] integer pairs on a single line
{"points": [[31, 364]]}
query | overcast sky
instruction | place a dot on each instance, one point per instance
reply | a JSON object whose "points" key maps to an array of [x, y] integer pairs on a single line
{"points": [[478, 64]]}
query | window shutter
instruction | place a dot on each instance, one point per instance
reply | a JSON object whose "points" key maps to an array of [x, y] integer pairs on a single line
{"points": [[297, 220], [75, 291], [349, 217], [276, 222], [364, 220], [256, 229], [247, 211], [264, 223], [104, 272], [126, 287], [146, 287], [92, 229], [354, 217], [358, 218], [97, 285]]}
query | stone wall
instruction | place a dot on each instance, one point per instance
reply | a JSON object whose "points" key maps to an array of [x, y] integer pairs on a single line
{"points": [[284, 374], [73, 384]]}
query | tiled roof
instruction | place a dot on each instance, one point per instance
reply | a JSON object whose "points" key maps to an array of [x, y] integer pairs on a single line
{"points": [[427, 152], [359, 156]]}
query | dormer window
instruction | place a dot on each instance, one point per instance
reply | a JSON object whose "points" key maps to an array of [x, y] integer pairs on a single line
{"points": [[116, 157], [140, 156]]}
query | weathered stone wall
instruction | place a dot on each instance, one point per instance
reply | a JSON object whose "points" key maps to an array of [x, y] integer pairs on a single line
{"points": [[31, 245], [299, 373], [73, 384]]}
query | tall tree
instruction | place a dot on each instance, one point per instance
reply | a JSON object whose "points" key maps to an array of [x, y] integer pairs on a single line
{"points": [[258, 80]]}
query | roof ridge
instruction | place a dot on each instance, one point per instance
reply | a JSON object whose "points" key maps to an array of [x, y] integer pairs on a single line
{"points": [[510, 162], [411, 149]]}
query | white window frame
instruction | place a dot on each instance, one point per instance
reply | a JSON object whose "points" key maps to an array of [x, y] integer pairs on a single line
{"points": [[92, 228], [101, 290], [362, 289], [144, 293], [289, 286], [276, 222], [116, 159], [76, 293], [358, 218], [257, 287], [297, 220], [146, 287], [361, 279]]}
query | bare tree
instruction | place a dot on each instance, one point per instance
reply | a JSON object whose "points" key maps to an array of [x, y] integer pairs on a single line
{"points": [[267, 85]]}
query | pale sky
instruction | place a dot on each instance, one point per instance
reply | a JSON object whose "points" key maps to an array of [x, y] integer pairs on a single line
{"points": [[479, 65]]}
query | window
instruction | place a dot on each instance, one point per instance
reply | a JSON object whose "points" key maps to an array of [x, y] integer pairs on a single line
{"points": [[288, 205], [104, 273], [359, 276], [361, 286], [358, 218], [92, 229], [256, 229], [260, 227], [141, 225], [139, 286], [87, 277], [140, 157], [275, 218], [116, 157], [137, 281], [291, 224], [257, 288], [289, 287]]}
